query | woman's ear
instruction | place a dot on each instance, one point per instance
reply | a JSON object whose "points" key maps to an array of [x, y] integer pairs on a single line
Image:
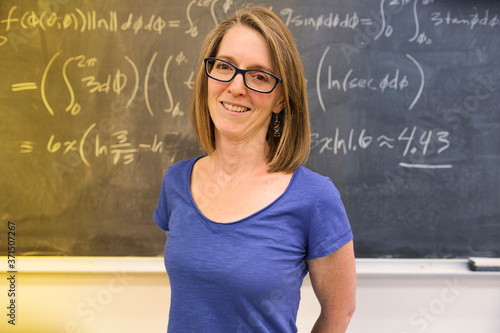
{"points": [[280, 106]]}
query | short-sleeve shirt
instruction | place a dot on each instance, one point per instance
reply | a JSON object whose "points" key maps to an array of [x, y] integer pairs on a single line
{"points": [[245, 276]]}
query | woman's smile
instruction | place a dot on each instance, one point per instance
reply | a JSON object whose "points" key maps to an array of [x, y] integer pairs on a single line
{"points": [[235, 108]]}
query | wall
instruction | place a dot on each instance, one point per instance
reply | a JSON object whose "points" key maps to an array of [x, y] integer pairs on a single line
{"points": [[102, 295]]}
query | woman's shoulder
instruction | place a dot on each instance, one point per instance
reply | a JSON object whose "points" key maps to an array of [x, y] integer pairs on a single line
{"points": [[182, 166], [312, 184], [179, 172], [306, 175]]}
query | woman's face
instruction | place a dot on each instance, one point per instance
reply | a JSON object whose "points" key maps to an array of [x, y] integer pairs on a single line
{"points": [[239, 113]]}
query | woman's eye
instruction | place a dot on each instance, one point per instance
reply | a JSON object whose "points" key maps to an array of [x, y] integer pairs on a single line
{"points": [[261, 77], [223, 66]]}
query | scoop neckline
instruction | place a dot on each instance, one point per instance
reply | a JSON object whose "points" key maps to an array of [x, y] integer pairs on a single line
{"points": [[219, 225]]}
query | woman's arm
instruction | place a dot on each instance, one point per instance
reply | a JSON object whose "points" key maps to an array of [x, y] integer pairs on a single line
{"points": [[333, 278]]}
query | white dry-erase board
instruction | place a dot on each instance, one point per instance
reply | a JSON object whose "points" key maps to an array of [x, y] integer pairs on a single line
{"points": [[404, 98]]}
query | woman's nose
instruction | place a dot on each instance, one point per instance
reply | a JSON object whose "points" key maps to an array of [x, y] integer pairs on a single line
{"points": [[237, 85]]}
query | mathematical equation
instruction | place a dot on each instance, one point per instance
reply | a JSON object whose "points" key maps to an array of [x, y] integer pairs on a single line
{"points": [[64, 82], [394, 81], [379, 23], [91, 144], [116, 82], [91, 20], [414, 141], [410, 141]]}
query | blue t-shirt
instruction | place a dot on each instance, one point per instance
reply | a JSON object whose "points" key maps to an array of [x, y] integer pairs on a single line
{"points": [[245, 276]]}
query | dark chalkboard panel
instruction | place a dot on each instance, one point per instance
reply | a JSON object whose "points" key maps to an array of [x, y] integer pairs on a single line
{"points": [[404, 99]]}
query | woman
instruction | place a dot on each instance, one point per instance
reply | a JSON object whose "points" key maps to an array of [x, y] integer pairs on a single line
{"points": [[246, 222]]}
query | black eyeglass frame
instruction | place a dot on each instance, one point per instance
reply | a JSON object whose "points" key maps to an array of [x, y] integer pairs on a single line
{"points": [[243, 73]]}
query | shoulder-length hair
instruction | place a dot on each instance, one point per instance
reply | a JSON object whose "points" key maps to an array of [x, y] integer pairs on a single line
{"points": [[291, 149]]}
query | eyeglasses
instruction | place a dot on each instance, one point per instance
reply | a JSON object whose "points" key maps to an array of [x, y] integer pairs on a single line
{"points": [[256, 80]]}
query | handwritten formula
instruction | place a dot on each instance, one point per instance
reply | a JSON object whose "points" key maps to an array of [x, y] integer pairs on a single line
{"points": [[79, 85]]}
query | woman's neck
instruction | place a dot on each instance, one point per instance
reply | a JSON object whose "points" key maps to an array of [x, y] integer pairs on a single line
{"points": [[232, 159]]}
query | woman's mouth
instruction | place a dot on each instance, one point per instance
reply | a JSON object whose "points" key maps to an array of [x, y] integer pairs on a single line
{"points": [[235, 108]]}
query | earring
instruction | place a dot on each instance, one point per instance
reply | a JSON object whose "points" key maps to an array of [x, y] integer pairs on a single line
{"points": [[277, 124]]}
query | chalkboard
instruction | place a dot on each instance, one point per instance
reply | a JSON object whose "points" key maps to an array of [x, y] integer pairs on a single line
{"points": [[404, 101]]}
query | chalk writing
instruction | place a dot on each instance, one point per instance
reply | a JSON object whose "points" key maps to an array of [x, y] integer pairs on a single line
{"points": [[351, 81], [120, 147], [419, 37], [413, 141], [143, 80], [82, 21], [24, 86], [394, 81], [475, 20], [193, 28], [115, 82], [348, 21], [26, 147]]}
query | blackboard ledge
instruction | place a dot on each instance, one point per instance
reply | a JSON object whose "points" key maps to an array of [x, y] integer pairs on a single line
{"points": [[104, 265], [416, 267], [154, 265]]}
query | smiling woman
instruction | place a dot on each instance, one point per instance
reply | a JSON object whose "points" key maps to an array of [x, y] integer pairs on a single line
{"points": [[290, 150], [226, 97], [247, 222]]}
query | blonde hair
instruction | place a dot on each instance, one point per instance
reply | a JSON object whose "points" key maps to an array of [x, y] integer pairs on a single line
{"points": [[290, 150]]}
